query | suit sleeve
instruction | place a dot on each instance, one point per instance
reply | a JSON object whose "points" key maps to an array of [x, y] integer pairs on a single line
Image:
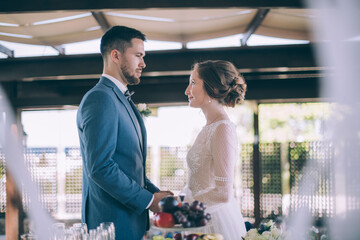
{"points": [[99, 129], [151, 187]]}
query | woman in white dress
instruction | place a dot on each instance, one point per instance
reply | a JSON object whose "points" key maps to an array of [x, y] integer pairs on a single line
{"points": [[211, 160]]}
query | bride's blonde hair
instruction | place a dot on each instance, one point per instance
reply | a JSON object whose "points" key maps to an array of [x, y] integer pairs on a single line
{"points": [[222, 81]]}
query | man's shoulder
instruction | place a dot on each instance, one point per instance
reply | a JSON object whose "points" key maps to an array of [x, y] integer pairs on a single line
{"points": [[99, 89], [98, 94]]}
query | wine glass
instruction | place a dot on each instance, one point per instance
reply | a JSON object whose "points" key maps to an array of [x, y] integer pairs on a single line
{"points": [[110, 228], [69, 234], [103, 234], [28, 236], [82, 226], [57, 231], [92, 234]]}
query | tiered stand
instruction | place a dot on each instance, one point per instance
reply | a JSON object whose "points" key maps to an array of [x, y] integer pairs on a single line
{"points": [[179, 229]]}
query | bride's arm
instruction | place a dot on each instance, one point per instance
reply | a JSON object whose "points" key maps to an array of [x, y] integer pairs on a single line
{"points": [[223, 145]]}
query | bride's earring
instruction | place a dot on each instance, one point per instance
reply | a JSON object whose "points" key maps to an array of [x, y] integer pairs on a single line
{"points": [[210, 100]]}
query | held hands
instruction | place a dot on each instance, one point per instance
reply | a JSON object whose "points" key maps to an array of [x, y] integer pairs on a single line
{"points": [[157, 197]]}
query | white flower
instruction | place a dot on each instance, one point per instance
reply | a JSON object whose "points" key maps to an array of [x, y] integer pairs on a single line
{"points": [[260, 237], [269, 223], [252, 233], [142, 107], [271, 233], [266, 234], [275, 232]]}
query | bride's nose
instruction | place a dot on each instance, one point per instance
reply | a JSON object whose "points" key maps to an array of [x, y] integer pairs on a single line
{"points": [[187, 90]]}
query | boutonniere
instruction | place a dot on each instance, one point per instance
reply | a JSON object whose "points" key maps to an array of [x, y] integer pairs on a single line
{"points": [[144, 109]]}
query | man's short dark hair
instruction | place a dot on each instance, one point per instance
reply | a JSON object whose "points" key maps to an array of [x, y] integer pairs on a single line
{"points": [[119, 37]]}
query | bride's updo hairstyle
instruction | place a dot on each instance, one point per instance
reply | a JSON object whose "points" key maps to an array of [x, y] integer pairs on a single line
{"points": [[222, 81]]}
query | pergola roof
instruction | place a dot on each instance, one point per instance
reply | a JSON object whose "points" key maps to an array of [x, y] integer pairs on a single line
{"points": [[180, 25], [272, 72]]}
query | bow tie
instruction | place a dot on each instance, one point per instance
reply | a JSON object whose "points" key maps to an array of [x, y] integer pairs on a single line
{"points": [[128, 94]]}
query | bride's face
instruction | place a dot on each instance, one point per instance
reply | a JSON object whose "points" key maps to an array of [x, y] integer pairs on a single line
{"points": [[195, 91]]}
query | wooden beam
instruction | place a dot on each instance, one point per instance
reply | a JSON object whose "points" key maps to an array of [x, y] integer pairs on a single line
{"points": [[164, 89], [60, 49], [70, 67], [272, 72], [254, 24], [101, 20], [6, 51], [54, 5]]}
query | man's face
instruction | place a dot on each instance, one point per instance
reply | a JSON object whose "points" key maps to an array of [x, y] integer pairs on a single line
{"points": [[132, 62]]}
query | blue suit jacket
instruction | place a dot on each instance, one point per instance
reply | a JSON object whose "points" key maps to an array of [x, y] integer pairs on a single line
{"points": [[115, 188]]}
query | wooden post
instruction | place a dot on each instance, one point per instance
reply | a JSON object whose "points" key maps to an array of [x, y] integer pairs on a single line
{"points": [[14, 216], [257, 172]]}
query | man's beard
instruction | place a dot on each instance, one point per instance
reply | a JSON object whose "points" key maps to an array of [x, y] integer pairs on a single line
{"points": [[131, 80]]}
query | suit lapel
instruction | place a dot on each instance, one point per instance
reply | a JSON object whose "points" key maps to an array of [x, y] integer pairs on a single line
{"points": [[142, 126], [130, 109]]}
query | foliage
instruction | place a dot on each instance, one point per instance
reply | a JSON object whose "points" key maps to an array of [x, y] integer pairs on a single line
{"points": [[73, 185], [292, 121], [2, 169]]}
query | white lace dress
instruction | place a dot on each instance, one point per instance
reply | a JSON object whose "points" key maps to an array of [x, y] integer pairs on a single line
{"points": [[211, 162]]}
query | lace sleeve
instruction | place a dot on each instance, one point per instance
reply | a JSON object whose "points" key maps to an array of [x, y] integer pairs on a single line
{"points": [[224, 149]]}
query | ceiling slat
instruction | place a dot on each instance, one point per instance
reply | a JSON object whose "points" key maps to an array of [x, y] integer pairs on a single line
{"points": [[6, 51], [255, 23], [60, 49], [101, 20]]}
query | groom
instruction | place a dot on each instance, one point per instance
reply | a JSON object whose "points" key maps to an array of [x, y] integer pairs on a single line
{"points": [[113, 141]]}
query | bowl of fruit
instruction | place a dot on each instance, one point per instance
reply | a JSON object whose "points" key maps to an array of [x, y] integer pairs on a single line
{"points": [[178, 215]]}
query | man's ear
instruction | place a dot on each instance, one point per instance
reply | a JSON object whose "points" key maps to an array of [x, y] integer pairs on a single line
{"points": [[115, 55]]}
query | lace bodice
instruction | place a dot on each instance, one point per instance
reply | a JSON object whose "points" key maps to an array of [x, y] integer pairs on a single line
{"points": [[211, 161]]}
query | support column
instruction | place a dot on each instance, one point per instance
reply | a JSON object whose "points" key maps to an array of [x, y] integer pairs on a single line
{"points": [[257, 167], [14, 216]]}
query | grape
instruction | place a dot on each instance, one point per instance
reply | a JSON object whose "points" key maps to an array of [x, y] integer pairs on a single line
{"points": [[200, 214], [186, 224], [202, 222], [191, 215], [195, 205], [183, 219], [195, 202], [203, 205], [185, 207]]}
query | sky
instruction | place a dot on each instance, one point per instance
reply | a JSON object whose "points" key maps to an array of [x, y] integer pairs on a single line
{"points": [[173, 126]]}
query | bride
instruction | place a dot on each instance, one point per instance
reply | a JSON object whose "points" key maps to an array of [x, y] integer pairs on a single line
{"points": [[211, 160]]}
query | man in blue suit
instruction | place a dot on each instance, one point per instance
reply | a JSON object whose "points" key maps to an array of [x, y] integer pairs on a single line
{"points": [[113, 142]]}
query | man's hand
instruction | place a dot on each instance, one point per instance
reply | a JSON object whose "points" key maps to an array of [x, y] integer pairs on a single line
{"points": [[157, 197]]}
